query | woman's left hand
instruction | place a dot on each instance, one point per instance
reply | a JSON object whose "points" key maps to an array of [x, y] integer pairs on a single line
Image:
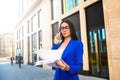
{"points": [[61, 64]]}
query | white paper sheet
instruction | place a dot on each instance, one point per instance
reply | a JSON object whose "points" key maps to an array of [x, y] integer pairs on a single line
{"points": [[45, 62], [49, 56]]}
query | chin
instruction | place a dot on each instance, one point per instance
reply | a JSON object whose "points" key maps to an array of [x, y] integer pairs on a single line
{"points": [[66, 36]]}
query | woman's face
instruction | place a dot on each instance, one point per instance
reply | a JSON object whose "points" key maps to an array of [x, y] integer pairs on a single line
{"points": [[65, 30]]}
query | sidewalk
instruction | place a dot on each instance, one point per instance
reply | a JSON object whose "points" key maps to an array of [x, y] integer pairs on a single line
{"points": [[28, 72]]}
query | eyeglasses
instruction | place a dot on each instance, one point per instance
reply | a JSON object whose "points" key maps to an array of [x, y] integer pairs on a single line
{"points": [[66, 28]]}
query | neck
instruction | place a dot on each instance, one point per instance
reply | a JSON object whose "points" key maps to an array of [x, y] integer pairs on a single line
{"points": [[67, 39]]}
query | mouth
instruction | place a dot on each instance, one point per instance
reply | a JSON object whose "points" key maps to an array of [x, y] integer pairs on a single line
{"points": [[64, 33]]}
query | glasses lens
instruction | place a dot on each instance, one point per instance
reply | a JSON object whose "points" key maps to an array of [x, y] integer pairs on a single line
{"points": [[67, 27]]}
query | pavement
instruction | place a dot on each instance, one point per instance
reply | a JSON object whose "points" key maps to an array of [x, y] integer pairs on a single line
{"points": [[28, 72]]}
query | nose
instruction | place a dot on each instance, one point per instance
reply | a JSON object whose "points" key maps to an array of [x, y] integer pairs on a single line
{"points": [[64, 29]]}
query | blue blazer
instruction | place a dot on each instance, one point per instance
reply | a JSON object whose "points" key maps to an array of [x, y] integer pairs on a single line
{"points": [[73, 56]]}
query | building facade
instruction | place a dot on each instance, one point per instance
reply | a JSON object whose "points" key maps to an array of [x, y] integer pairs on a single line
{"points": [[96, 24], [6, 44]]}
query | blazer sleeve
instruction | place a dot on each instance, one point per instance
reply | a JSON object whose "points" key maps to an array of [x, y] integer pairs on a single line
{"points": [[78, 61], [56, 46]]}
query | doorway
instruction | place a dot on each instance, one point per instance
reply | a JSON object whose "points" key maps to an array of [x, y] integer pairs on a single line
{"points": [[96, 38]]}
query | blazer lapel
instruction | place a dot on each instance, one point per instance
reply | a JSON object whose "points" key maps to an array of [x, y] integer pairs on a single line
{"points": [[67, 49]]}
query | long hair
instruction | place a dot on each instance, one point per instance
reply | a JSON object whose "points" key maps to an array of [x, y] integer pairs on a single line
{"points": [[72, 30]]}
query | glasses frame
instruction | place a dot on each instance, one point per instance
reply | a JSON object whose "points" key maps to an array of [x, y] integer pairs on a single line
{"points": [[66, 28]]}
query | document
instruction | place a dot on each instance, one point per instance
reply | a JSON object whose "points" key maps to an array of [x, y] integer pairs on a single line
{"points": [[48, 57], [45, 62]]}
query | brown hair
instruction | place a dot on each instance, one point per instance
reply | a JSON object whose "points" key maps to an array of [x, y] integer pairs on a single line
{"points": [[72, 29]]}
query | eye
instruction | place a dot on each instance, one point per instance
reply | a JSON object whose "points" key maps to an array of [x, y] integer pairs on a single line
{"points": [[66, 27]]}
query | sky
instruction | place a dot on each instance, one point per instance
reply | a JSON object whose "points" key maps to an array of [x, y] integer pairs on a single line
{"points": [[8, 15]]}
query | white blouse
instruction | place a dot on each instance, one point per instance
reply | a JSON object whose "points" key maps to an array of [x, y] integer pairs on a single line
{"points": [[61, 51]]}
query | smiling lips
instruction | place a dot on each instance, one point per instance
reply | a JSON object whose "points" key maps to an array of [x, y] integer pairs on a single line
{"points": [[64, 33]]}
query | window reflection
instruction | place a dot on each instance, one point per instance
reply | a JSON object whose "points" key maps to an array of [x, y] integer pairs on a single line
{"points": [[92, 41], [69, 4], [100, 38]]}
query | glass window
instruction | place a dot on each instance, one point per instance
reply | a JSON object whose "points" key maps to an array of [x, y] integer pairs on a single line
{"points": [[69, 4], [40, 39], [34, 23], [34, 42], [28, 49], [28, 26], [34, 46], [19, 44], [55, 8], [97, 49], [76, 21], [54, 30], [40, 34], [39, 18]]}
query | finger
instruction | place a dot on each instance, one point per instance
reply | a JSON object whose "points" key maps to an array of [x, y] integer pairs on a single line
{"points": [[63, 62], [57, 63], [57, 36], [60, 64]]}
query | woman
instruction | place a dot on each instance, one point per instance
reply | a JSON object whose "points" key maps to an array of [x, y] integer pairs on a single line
{"points": [[71, 63]]}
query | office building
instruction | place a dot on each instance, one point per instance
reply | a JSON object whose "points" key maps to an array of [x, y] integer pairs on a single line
{"points": [[6, 44], [96, 24]]}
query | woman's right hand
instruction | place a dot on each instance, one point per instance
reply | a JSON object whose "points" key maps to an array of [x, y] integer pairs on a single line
{"points": [[57, 38], [62, 65]]}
